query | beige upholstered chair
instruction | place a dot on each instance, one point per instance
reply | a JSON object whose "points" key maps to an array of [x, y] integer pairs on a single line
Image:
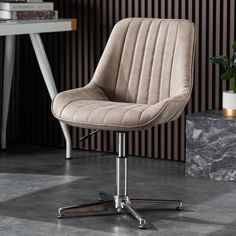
{"points": [[144, 78]]}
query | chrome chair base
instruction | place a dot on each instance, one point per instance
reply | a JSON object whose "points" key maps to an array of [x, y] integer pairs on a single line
{"points": [[119, 205]]}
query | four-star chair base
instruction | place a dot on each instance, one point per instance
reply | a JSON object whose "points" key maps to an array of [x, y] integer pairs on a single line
{"points": [[121, 201]]}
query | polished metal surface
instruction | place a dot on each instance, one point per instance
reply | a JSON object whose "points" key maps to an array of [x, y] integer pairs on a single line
{"points": [[136, 214], [121, 173], [122, 144], [121, 176], [85, 209], [88, 135], [121, 200], [178, 203]]}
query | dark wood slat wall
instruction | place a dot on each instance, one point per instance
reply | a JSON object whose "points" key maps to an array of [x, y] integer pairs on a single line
{"points": [[74, 57]]}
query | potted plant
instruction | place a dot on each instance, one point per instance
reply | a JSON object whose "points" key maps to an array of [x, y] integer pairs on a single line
{"points": [[228, 72]]}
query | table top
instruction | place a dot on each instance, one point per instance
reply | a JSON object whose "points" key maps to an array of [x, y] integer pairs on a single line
{"points": [[210, 115], [37, 26]]}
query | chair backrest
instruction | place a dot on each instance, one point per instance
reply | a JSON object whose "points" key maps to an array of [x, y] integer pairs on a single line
{"points": [[147, 60]]}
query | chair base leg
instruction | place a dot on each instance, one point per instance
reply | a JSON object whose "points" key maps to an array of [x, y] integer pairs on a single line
{"points": [[110, 202], [119, 203], [142, 221], [179, 203], [85, 209]]}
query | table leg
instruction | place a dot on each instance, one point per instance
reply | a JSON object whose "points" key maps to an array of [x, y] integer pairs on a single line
{"points": [[7, 82], [49, 81]]}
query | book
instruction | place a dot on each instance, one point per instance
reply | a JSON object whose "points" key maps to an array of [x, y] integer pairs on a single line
{"points": [[10, 6], [22, 1], [28, 15]]}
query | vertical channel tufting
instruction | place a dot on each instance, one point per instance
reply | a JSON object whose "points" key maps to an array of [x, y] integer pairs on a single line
{"points": [[164, 80], [121, 59], [155, 80], [141, 89], [127, 62], [145, 62], [138, 60], [163, 54], [138, 92], [173, 56], [130, 97], [132, 63], [154, 55]]}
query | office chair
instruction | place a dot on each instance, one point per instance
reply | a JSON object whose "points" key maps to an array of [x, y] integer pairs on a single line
{"points": [[144, 78]]}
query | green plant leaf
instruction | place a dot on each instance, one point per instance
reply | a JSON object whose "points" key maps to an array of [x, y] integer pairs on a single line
{"points": [[221, 60], [234, 46], [229, 74], [217, 60]]}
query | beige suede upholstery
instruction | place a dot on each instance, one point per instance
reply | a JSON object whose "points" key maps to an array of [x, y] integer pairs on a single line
{"points": [[143, 78]]}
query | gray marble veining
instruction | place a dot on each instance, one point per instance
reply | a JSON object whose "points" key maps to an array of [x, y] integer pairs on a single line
{"points": [[211, 146]]}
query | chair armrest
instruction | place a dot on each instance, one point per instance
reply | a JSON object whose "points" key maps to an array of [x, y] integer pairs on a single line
{"points": [[164, 111], [90, 92]]}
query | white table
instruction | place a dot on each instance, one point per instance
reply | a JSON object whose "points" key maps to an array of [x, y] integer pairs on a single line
{"points": [[33, 28]]}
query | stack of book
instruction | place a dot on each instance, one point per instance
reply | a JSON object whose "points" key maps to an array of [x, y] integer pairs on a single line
{"points": [[27, 10]]}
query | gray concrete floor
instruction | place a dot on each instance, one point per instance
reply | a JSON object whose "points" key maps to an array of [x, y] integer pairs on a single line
{"points": [[35, 181]]}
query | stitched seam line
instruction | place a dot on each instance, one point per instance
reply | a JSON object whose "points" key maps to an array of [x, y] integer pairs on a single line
{"points": [[110, 111], [154, 53], [82, 107], [68, 105], [162, 62], [135, 106], [124, 112], [128, 127], [121, 59], [127, 89], [140, 73], [106, 105], [139, 119], [177, 31], [99, 87]]}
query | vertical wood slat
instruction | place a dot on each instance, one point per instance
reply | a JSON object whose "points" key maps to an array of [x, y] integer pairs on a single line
{"points": [[74, 57]]}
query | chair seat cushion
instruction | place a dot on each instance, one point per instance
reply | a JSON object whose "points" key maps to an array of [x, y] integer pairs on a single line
{"points": [[103, 114], [89, 108]]}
